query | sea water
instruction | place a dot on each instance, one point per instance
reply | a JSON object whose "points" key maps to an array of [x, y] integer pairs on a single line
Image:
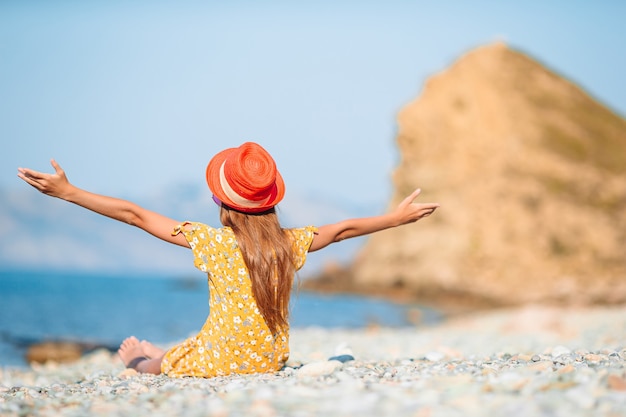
{"points": [[104, 309]]}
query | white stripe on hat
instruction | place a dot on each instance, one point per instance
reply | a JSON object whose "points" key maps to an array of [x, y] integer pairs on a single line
{"points": [[236, 198]]}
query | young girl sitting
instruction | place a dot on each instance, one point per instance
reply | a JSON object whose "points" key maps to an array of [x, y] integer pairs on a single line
{"points": [[250, 262]]}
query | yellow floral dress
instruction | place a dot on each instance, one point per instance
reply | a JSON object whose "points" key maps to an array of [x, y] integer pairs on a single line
{"points": [[235, 337]]}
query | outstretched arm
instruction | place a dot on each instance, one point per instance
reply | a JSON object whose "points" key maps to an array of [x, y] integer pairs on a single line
{"points": [[57, 185], [406, 212]]}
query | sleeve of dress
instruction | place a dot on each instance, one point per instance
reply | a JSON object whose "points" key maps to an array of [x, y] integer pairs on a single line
{"points": [[302, 239], [202, 246]]}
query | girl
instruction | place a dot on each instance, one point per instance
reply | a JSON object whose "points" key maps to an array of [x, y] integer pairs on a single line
{"points": [[250, 262]]}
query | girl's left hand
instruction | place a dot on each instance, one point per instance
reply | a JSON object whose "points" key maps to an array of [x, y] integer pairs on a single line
{"points": [[54, 185]]}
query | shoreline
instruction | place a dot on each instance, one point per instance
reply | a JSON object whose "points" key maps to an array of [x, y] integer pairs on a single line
{"points": [[340, 281], [535, 360]]}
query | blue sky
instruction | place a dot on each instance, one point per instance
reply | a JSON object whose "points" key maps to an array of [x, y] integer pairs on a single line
{"points": [[131, 97]]}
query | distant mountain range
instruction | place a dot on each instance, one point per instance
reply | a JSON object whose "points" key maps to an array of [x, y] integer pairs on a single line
{"points": [[39, 232]]}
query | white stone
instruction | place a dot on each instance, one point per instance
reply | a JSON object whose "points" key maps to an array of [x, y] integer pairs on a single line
{"points": [[434, 356], [560, 350], [319, 368], [343, 349]]}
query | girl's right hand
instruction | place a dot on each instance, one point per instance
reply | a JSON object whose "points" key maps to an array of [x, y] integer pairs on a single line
{"points": [[410, 212], [406, 212]]}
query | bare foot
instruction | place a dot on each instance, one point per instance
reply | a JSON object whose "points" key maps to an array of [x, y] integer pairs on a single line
{"points": [[150, 350], [131, 352]]}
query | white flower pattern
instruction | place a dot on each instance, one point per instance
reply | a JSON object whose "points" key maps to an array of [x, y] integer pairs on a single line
{"points": [[226, 343]]}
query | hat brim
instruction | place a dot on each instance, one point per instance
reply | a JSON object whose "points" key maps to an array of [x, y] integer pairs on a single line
{"points": [[213, 181]]}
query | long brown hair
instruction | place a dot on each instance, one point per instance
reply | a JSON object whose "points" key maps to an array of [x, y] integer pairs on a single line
{"points": [[267, 252]]}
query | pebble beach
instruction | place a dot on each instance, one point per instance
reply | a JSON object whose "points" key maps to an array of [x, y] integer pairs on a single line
{"points": [[530, 361]]}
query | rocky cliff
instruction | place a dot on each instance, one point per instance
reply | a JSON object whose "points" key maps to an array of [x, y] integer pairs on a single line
{"points": [[530, 172]]}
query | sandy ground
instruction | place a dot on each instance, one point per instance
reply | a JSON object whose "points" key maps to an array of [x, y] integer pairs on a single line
{"points": [[531, 361]]}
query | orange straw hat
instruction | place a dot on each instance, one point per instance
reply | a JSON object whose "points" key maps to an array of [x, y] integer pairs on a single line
{"points": [[245, 178]]}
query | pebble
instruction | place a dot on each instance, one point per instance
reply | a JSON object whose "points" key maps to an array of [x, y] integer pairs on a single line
{"points": [[434, 356], [559, 351], [616, 383], [319, 368], [467, 366], [342, 358]]}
